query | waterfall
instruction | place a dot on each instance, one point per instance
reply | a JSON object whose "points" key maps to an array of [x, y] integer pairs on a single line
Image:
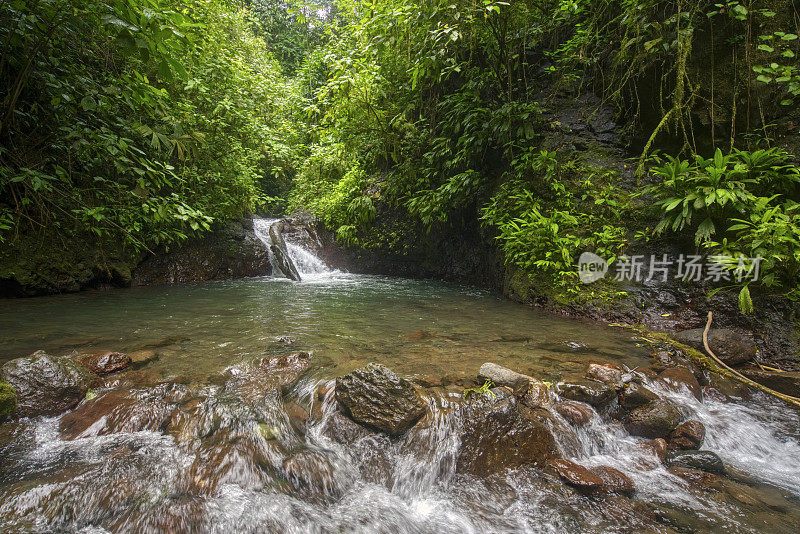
{"points": [[290, 259]]}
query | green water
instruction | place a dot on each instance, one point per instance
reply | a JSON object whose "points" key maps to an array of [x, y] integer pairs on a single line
{"points": [[415, 327]]}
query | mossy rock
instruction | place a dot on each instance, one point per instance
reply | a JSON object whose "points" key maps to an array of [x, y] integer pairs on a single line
{"points": [[8, 400]]}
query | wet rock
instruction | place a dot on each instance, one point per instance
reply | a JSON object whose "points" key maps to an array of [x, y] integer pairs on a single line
{"points": [[606, 374], [588, 391], [376, 397], [701, 460], [614, 480], [713, 394], [663, 359], [577, 476], [231, 250], [263, 378], [312, 470], [732, 347], [46, 385], [323, 389], [728, 386], [285, 371], [658, 447], [787, 383], [695, 476], [117, 411], [8, 401], [502, 376], [9, 432], [501, 434], [635, 395], [678, 378], [427, 381], [280, 252], [104, 363], [298, 416], [577, 413], [688, 435], [421, 334], [538, 395], [343, 431], [656, 419]]}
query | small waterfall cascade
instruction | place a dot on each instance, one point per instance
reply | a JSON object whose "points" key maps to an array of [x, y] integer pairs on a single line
{"points": [[288, 258]]}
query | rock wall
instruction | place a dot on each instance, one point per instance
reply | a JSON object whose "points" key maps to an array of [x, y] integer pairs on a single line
{"points": [[232, 251]]}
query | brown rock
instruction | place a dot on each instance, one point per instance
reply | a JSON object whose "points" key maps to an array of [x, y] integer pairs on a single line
{"points": [[635, 395], [313, 470], [577, 413], [45, 384], [298, 416], [502, 376], [658, 447], [696, 476], [787, 383], [606, 374], [588, 391], [577, 476], [113, 412], [663, 359], [677, 378], [538, 395], [503, 434], [323, 389], [712, 393], [344, 431], [268, 377], [427, 381], [376, 397], [729, 387], [688, 435], [732, 347], [143, 356], [614, 480], [654, 420], [104, 363]]}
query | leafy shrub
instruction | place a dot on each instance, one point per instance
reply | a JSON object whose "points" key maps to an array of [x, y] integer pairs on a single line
{"points": [[756, 191], [712, 191], [544, 225]]}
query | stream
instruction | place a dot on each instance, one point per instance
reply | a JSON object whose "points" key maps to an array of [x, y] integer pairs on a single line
{"points": [[174, 450]]}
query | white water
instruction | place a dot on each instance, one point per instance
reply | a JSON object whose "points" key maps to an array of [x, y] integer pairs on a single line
{"points": [[420, 490], [309, 266]]}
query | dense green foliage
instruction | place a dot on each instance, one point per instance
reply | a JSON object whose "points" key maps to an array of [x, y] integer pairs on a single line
{"points": [[144, 121], [141, 121], [442, 110]]}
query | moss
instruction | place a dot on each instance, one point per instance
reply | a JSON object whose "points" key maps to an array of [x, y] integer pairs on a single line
{"points": [[8, 400]]}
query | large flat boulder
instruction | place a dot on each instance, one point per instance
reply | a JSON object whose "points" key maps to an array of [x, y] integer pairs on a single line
{"points": [[502, 433], [377, 398], [45, 384]]}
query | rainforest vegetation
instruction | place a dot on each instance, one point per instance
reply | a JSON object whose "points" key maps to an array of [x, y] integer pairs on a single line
{"points": [[131, 125]]}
